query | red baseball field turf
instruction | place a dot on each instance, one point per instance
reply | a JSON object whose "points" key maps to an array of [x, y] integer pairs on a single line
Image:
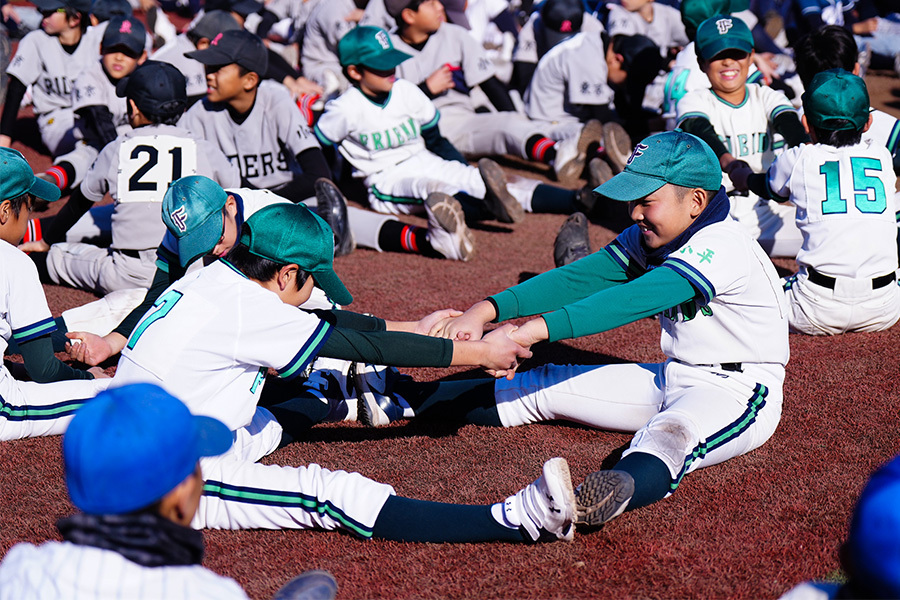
{"points": [[750, 528]]}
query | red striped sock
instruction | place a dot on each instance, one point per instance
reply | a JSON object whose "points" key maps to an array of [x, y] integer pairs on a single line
{"points": [[408, 239], [539, 150], [59, 176], [33, 233]]}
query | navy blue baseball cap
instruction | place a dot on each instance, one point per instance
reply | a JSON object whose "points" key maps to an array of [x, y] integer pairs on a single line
{"points": [[126, 33], [104, 10], [157, 88], [83, 6], [214, 22], [132, 445], [237, 46]]}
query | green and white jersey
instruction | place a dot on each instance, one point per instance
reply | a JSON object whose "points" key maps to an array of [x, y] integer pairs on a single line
{"points": [[739, 313], [453, 46], [745, 128], [137, 168], [564, 82], [264, 143], [42, 63], [212, 336], [24, 314], [373, 137], [666, 29], [845, 206]]}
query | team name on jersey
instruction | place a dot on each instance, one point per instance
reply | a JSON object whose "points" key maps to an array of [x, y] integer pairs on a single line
{"points": [[392, 137], [61, 86], [745, 144], [259, 165]]}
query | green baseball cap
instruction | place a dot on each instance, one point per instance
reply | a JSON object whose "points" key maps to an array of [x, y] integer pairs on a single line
{"points": [[722, 32], [16, 178], [835, 95], [192, 211], [293, 234], [370, 47], [694, 12], [672, 157]]}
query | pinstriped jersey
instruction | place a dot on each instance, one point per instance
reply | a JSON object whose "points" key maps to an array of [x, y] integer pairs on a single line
{"points": [[666, 29], [210, 339], [24, 314], [845, 206], [563, 82], [745, 128], [373, 137], [739, 313], [41, 62], [265, 144], [63, 569], [451, 45]]}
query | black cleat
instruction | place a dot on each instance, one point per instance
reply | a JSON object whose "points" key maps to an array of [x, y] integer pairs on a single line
{"points": [[332, 207], [572, 242]]}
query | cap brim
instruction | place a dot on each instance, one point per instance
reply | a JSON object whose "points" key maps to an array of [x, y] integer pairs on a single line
{"points": [[627, 186], [458, 18], [387, 60], [333, 287], [44, 190], [48, 4], [246, 7], [202, 240], [213, 436], [211, 56], [710, 51]]}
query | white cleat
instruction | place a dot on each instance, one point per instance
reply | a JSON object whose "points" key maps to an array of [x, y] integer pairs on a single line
{"points": [[448, 233], [546, 508]]}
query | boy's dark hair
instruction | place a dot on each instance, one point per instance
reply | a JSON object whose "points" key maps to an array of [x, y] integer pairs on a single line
{"points": [[33, 202], [831, 47], [838, 138], [681, 191], [256, 267], [85, 20]]}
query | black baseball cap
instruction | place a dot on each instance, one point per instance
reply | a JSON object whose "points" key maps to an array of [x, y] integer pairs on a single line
{"points": [[83, 6], [241, 7], [214, 22], [239, 47], [157, 88], [124, 32], [104, 10], [456, 12], [559, 20]]}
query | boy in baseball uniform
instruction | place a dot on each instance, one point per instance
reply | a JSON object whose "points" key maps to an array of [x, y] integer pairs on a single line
{"points": [[843, 189], [724, 326], [45, 405], [739, 121], [284, 251], [135, 170], [50, 60]]}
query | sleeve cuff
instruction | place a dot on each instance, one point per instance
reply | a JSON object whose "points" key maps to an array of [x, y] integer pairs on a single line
{"points": [[506, 305], [559, 327]]}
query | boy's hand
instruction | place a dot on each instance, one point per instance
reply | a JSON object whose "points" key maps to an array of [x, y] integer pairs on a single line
{"points": [[738, 171], [88, 348], [467, 327], [766, 65], [530, 333], [38, 246], [98, 373], [432, 322], [440, 81], [504, 353]]}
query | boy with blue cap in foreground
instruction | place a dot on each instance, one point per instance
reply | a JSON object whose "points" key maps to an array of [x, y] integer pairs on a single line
{"points": [[215, 333], [45, 405], [131, 467], [724, 333]]}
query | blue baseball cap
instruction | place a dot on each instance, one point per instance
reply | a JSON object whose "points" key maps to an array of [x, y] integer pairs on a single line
{"points": [[124, 32], [722, 32], [873, 544], [132, 445], [192, 211], [672, 157], [16, 178]]}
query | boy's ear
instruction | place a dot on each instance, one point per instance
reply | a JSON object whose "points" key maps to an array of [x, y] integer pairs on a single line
{"points": [[408, 16], [250, 81], [353, 73], [868, 123], [5, 212], [698, 201], [286, 275], [142, 57]]}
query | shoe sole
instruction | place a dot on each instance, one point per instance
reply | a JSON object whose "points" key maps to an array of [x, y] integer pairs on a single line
{"points": [[450, 217], [501, 203], [557, 470], [591, 133], [368, 411], [603, 496], [331, 206], [598, 173], [572, 241], [617, 146]]}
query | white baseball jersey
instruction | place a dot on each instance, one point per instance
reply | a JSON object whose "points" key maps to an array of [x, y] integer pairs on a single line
{"points": [[373, 137], [23, 306], [740, 314], [194, 73], [564, 82], [325, 27], [745, 129], [42, 63], [666, 29], [137, 168], [265, 144], [451, 45], [211, 338], [376, 14], [66, 570], [526, 50], [93, 88], [845, 207]]}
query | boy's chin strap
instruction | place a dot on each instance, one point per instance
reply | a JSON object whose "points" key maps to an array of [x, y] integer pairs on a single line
{"points": [[715, 211]]}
